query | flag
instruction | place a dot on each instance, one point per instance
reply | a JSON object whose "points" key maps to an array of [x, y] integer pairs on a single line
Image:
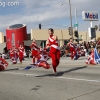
{"points": [[96, 56], [76, 55], [78, 52], [42, 61], [91, 59], [29, 67]]}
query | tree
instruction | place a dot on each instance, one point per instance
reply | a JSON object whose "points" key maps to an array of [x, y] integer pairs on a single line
{"points": [[96, 27]]}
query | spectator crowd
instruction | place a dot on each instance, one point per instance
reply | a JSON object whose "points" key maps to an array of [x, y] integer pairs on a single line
{"points": [[84, 46]]}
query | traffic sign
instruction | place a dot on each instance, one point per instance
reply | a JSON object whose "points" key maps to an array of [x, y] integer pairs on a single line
{"points": [[75, 25]]}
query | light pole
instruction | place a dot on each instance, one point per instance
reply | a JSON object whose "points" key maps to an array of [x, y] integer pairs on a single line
{"points": [[71, 19], [62, 37], [71, 14], [86, 36], [76, 18]]}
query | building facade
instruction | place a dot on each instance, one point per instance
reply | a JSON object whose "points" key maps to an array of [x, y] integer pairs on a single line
{"points": [[1, 37], [63, 36], [2, 44], [41, 37]]}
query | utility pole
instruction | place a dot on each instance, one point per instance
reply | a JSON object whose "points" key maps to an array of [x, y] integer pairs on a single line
{"points": [[71, 19]]}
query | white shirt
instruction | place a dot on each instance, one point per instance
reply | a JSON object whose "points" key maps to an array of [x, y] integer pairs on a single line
{"points": [[3, 56]]}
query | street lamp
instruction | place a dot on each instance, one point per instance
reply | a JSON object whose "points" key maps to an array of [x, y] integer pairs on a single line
{"points": [[71, 14], [62, 37], [71, 18]]}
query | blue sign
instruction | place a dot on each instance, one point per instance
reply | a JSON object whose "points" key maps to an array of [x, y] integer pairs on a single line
{"points": [[90, 16]]}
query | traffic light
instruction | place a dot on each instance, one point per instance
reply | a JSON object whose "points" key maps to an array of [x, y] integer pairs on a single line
{"points": [[76, 34], [77, 40], [39, 26], [70, 30], [93, 33]]}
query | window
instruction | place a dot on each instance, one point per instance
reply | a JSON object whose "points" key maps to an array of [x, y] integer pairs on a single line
{"points": [[43, 44]]}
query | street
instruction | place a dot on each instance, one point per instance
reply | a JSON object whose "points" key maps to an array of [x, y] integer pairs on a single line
{"points": [[75, 81]]}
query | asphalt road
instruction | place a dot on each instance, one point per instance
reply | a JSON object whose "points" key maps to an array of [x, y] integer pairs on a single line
{"points": [[75, 81]]}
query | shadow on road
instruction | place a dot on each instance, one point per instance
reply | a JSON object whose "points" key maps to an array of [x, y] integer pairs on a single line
{"points": [[12, 69], [63, 72]]}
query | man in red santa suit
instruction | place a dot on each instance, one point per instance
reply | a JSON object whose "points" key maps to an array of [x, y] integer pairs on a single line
{"points": [[35, 51], [21, 53], [72, 48], [52, 43]]}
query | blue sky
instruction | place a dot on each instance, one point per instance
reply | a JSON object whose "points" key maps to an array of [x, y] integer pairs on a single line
{"points": [[33, 12]]}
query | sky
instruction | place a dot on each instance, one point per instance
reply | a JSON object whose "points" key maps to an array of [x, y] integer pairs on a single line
{"points": [[49, 13]]}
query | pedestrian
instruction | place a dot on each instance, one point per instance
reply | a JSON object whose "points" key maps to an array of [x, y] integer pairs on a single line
{"points": [[52, 43], [72, 48], [13, 55], [3, 56], [35, 51], [21, 53]]}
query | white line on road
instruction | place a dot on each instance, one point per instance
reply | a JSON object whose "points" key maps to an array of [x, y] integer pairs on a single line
{"points": [[20, 74], [76, 79]]}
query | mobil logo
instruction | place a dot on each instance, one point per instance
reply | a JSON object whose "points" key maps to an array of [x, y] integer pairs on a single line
{"points": [[91, 15]]}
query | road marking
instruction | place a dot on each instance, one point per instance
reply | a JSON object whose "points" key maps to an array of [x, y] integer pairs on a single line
{"points": [[76, 79], [20, 74]]}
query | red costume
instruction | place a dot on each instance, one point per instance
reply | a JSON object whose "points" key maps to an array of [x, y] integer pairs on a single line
{"points": [[90, 59], [14, 55], [16, 51], [11, 53], [21, 53], [98, 46], [3, 64], [80, 52], [35, 51], [72, 49], [98, 43], [54, 52]]}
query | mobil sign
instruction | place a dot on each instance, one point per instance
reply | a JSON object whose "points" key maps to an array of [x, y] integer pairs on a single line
{"points": [[90, 15]]}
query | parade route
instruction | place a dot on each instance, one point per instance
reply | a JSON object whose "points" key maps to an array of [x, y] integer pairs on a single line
{"points": [[73, 82], [50, 50]]}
